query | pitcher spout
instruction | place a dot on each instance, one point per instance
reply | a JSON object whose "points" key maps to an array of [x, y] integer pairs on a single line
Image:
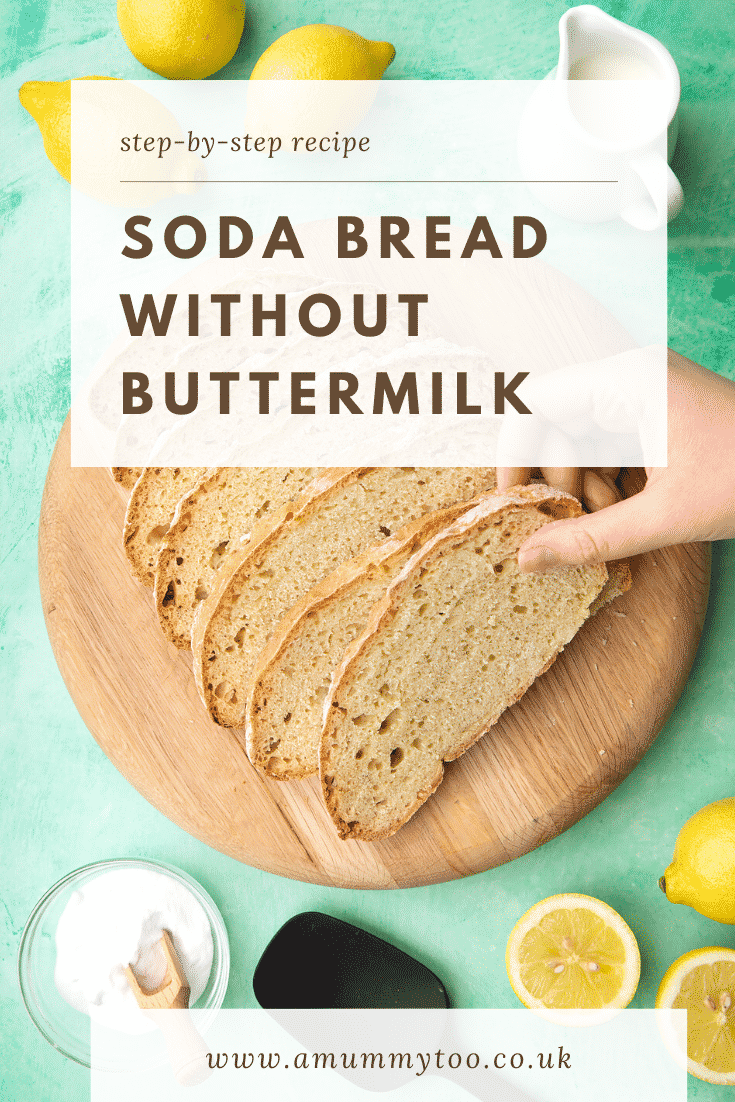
{"points": [[595, 46], [581, 32]]}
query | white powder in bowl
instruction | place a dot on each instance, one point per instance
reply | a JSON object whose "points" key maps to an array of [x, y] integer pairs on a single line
{"points": [[118, 919]]}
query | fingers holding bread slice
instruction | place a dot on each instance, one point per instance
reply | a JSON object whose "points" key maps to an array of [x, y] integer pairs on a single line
{"points": [[458, 637]]}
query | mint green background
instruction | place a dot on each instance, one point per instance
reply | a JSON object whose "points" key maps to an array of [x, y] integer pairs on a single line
{"points": [[62, 802]]}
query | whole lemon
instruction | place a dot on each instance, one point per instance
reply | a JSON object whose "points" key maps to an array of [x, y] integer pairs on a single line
{"points": [[49, 103], [323, 52], [702, 873], [182, 39], [104, 109]]}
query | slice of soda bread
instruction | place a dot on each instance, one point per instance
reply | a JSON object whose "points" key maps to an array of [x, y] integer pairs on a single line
{"points": [[459, 637], [345, 511], [292, 676], [151, 506], [217, 516]]}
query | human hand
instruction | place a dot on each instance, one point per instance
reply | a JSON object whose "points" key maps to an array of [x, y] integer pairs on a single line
{"points": [[690, 500]]}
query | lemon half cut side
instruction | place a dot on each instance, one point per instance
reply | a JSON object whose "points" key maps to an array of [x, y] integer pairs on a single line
{"points": [[573, 952], [702, 983]]}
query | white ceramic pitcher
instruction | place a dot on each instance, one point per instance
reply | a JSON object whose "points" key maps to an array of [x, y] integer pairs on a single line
{"points": [[605, 120]]}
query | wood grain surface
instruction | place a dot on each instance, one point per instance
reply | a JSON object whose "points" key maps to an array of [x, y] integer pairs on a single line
{"points": [[550, 759]]}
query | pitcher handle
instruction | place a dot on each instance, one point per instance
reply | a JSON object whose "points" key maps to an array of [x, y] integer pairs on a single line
{"points": [[665, 196]]}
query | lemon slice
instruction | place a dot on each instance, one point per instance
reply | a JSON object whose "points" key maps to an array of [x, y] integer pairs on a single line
{"points": [[702, 983], [573, 952]]}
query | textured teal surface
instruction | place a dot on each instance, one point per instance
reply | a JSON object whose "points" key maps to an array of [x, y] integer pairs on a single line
{"points": [[62, 802]]}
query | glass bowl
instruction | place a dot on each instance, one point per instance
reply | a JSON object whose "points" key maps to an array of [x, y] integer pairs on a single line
{"points": [[69, 1030]]}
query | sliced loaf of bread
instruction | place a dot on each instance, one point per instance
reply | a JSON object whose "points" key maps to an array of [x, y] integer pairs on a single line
{"points": [[459, 637], [293, 673], [344, 512], [216, 517], [151, 507]]}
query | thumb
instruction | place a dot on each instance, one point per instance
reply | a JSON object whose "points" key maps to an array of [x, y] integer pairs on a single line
{"points": [[641, 523]]}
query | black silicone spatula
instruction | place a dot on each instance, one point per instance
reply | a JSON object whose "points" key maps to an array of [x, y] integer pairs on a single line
{"points": [[317, 962]]}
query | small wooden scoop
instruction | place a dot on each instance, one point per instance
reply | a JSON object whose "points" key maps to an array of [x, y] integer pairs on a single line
{"points": [[186, 1049]]}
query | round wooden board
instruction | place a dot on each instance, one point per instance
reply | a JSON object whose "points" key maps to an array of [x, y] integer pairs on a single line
{"points": [[550, 759]]}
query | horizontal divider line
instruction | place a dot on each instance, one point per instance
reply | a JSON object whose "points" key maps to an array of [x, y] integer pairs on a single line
{"points": [[369, 181]]}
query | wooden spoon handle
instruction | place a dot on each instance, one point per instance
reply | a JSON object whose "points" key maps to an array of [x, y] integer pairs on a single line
{"points": [[186, 1048]]}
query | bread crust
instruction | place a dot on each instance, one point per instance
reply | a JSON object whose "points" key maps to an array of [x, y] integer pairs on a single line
{"points": [[126, 476], [619, 581], [140, 551], [167, 553], [383, 613]]}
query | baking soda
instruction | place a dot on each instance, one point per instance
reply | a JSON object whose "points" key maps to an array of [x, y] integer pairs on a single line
{"points": [[118, 919]]}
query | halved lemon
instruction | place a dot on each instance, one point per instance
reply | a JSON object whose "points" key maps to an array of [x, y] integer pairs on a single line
{"points": [[573, 952], [702, 983]]}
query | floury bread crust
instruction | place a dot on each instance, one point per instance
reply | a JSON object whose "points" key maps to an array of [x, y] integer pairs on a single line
{"points": [[345, 511], [150, 508], [294, 671], [459, 637], [214, 519]]}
